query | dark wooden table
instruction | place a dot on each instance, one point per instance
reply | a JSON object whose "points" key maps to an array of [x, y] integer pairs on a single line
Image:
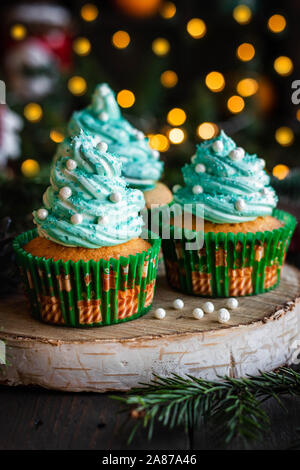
{"points": [[41, 419]]}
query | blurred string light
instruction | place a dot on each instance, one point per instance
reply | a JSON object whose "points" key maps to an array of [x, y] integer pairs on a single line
{"points": [[168, 10], [281, 171], [30, 168], [77, 85], [18, 32], [125, 98], [215, 81], [169, 79], [176, 117], [56, 136], [298, 115], [89, 12], [196, 28], [82, 46], [159, 142], [276, 23], [235, 104], [242, 14], [247, 87], [121, 39], [283, 65], [176, 135], [160, 46], [33, 112], [245, 52], [284, 136], [207, 130]]}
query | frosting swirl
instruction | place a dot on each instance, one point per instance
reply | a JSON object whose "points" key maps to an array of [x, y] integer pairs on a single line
{"points": [[141, 165], [231, 184], [88, 203]]}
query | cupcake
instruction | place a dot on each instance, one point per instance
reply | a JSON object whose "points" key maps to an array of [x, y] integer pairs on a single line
{"points": [[85, 264], [141, 167], [244, 238]]}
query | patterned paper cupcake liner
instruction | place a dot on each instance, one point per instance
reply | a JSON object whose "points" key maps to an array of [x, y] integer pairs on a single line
{"points": [[228, 264], [85, 294]]}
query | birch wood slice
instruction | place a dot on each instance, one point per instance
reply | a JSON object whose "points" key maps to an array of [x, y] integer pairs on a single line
{"points": [[261, 335]]}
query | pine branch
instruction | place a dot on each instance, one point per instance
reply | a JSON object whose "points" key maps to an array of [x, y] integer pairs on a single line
{"points": [[232, 406]]}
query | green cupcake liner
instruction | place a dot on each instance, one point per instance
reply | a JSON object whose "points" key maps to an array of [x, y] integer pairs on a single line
{"points": [[88, 294], [229, 265]]}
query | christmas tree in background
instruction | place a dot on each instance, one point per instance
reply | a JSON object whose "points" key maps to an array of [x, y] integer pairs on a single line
{"points": [[181, 71]]}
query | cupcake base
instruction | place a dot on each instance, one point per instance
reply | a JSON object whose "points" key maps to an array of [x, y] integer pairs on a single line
{"points": [[158, 196]]}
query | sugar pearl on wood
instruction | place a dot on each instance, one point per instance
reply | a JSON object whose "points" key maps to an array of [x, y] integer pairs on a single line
{"points": [[71, 164], [223, 315], [76, 219], [160, 313], [115, 197], [178, 304], [198, 313], [240, 205], [237, 154], [208, 307], [42, 214], [197, 189], [232, 303], [218, 146], [103, 220], [200, 168], [102, 146], [65, 192]]}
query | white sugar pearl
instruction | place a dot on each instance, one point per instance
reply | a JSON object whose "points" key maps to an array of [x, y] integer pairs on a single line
{"points": [[71, 164], [102, 146], [197, 189], [264, 191], [42, 214], [223, 315], [103, 220], [198, 313], [178, 304], [104, 89], [139, 135], [76, 219], [65, 192], [232, 303], [193, 158], [262, 161], [218, 146], [240, 205], [160, 313], [155, 154], [237, 154], [103, 116], [208, 307], [176, 188], [115, 197], [200, 168]]}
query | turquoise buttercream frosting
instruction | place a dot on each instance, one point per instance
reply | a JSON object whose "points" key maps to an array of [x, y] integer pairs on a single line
{"points": [[88, 203], [231, 184], [141, 165]]}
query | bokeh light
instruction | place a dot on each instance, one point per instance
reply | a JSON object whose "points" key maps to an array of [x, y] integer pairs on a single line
{"points": [[159, 142], [82, 46], [277, 23], [30, 168], [298, 115], [125, 98], [207, 130], [283, 65], [18, 32], [168, 10], [215, 81], [160, 46], [56, 136], [247, 87], [242, 14], [176, 117], [33, 112], [176, 135], [77, 85], [245, 52], [169, 79], [281, 171], [284, 136], [89, 12], [235, 104], [121, 39], [196, 28]]}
